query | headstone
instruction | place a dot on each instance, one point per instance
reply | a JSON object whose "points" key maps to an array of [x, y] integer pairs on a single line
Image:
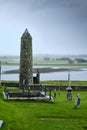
{"points": [[54, 93], [59, 91], [1, 123], [77, 101]]}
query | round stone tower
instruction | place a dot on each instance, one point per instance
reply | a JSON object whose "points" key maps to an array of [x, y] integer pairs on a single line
{"points": [[26, 74]]}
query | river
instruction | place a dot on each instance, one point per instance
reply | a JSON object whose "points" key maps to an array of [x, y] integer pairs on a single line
{"points": [[75, 75]]}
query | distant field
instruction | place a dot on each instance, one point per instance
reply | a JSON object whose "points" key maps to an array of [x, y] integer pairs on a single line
{"points": [[56, 63], [44, 61], [30, 115], [47, 64], [65, 83], [56, 82]]}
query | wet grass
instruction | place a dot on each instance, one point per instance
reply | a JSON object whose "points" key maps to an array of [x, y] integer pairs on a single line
{"points": [[64, 83], [28, 115]]}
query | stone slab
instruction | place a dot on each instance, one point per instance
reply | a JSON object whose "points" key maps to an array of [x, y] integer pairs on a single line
{"points": [[1, 123]]}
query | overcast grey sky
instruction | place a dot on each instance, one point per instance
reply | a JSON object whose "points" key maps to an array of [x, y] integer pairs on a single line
{"points": [[56, 26]]}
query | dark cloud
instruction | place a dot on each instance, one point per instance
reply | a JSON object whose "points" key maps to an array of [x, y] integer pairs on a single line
{"points": [[57, 3], [78, 7], [60, 24]]}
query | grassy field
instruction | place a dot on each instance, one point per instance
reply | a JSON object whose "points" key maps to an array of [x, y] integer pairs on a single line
{"points": [[55, 82], [44, 61], [65, 83], [30, 115]]}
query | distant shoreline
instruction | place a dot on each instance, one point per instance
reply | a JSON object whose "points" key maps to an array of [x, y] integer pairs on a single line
{"points": [[44, 70]]}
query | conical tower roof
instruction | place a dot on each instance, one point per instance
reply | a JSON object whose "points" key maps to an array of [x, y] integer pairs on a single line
{"points": [[26, 34]]}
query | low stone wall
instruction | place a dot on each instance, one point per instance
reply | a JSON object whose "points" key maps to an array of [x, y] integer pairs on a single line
{"points": [[9, 84], [79, 88], [64, 87], [47, 86]]}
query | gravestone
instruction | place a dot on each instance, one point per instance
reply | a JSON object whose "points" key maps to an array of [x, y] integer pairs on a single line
{"points": [[77, 101], [1, 123]]}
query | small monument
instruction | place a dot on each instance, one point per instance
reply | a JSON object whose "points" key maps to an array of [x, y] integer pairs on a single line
{"points": [[69, 89], [36, 79]]}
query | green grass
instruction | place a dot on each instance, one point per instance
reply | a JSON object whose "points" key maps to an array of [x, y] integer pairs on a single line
{"points": [[49, 62], [30, 115], [65, 83], [55, 82]]}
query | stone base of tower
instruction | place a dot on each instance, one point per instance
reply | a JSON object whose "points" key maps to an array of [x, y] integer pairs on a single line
{"points": [[35, 80]]}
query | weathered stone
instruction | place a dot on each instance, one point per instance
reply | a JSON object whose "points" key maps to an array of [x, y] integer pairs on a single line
{"points": [[1, 123], [69, 89], [26, 74]]}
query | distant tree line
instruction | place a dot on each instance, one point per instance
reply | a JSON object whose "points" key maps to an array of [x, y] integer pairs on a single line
{"points": [[70, 60], [81, 60]]}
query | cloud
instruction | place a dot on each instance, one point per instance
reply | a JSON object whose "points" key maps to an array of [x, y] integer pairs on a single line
{"points": [[27, 9], [60, 24]]}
